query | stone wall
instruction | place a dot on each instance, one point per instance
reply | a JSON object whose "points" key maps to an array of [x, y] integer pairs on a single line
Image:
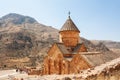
{"points": [[69, 38], [78, 63], [60, 65]]}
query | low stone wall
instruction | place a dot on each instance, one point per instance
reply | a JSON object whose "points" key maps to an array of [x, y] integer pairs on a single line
{"points": [[108, 71], [108, 74]]}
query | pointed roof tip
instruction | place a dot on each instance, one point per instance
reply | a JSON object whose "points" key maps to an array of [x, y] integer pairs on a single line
{"points": [[69, 15], [69, 25]]}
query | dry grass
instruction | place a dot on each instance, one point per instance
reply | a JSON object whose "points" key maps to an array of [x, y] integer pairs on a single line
{"points": [[116, 50], [26, 59]]}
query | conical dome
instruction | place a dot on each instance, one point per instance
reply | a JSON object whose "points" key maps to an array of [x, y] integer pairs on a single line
{"points": [[69, 26]]}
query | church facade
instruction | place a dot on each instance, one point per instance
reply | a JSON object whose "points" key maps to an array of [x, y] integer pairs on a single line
{"points": [[63, 56], [70, 55]]}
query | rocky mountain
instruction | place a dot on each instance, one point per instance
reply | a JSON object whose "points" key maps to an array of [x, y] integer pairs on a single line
{"points": [[14, 18], [25, 42]]}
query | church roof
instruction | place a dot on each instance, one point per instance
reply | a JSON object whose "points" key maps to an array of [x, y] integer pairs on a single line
{"points": [[66, 50], [69, 26], [97, 58], [62, 48]]}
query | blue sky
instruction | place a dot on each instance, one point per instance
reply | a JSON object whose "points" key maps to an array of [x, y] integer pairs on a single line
{"points": [[96, 19]]}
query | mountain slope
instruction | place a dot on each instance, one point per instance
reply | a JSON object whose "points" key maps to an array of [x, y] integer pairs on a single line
{"points": [[112, 45], [24, 38], [94, 47]]}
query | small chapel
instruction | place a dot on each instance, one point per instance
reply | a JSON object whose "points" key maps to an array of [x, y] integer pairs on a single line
{"points": [[70, 55]]}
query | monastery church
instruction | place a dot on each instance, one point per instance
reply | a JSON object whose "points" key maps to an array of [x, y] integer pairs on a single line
{"points": [[70, 55]]}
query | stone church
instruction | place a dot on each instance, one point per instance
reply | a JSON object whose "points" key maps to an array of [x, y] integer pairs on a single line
{"points": [[70, 55]]}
